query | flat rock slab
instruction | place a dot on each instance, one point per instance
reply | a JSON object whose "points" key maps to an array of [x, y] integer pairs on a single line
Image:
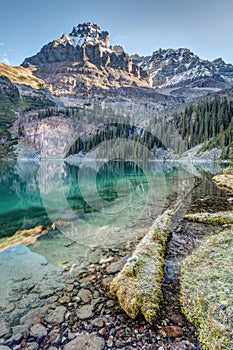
{"points": [[86, 342]]}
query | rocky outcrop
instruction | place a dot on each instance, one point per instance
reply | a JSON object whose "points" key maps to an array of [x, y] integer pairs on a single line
{"points": [[181, 67], [44, 138], [84, 59], [224, 180]]}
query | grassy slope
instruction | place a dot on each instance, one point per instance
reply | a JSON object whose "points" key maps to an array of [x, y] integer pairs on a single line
{"points": [[20, 75], [206, 291], [10, 104]]}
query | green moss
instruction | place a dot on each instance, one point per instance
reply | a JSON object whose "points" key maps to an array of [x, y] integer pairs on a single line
{"points": [[220, 218], [138, 285], [228, 170], [206, 291]]}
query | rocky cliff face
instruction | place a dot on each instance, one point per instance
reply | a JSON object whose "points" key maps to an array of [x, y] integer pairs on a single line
{"points": [[44, 138], [178, 68], [83, 60]]}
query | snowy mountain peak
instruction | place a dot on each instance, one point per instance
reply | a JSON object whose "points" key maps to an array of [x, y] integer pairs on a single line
{"points": [[89, 33]]}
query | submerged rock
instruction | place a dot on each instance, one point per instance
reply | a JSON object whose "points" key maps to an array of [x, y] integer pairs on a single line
{"points": [[86, 342]]}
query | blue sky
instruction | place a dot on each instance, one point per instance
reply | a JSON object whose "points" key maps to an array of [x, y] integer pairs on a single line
{"points": [[204, 26]]}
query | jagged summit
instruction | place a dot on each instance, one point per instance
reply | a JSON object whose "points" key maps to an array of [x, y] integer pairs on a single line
{"points": [[84, 59], [88, 33]]}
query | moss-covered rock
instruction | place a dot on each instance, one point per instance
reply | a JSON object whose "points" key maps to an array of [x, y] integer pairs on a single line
{"points": [[138, 285], [219, 218], [224, 180], [206, 291]]}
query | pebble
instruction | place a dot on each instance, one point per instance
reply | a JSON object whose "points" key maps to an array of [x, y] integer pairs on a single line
{"points": [[4, 329], [86, 342], [32, 346], [38, 331], [55, 336], [64, 300], [9, 308], [114, 267], [85, 295], [173, 331], [57, 315], [85, 312], [46, 294]]}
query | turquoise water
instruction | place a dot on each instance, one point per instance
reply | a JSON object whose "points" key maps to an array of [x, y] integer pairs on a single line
{"points": [[80, 211], [111, 195]]}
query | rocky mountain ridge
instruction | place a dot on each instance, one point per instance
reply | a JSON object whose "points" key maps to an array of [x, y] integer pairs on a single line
{"points": [[84, 65], [172, 68]]}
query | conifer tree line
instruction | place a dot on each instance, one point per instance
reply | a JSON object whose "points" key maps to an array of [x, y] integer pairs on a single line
{"points": [[209, 122], [86, 142]]}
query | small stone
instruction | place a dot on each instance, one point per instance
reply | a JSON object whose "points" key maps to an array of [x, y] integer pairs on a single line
{"points": [[176, 319], [77, 299], [173, 331], [3, 347], [64, 300], [55, 336], [56, 315], [70, 288], [86, 342], [98, 322], [17, 334], [110, 341], [46, 294], [32, 346], [118, 343], [85, 295], [30, 318], [102, 331], [38, 331], [4, 329], [9, 308], [71, 335], [114, 267], [110, 303], [85, 312]]}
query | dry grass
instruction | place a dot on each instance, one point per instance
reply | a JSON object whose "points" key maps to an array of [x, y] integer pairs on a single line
{"points": [[207, 291], [20, 75]]}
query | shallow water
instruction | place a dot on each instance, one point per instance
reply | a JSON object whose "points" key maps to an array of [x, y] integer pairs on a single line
{"points": [[82, 211]]}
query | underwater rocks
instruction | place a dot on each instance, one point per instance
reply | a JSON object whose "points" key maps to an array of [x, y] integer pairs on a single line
{"points": [[75, 310]]}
